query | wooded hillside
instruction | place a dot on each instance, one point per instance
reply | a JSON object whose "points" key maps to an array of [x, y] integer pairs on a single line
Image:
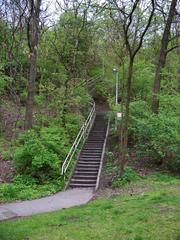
{"points": [[53, 66]]}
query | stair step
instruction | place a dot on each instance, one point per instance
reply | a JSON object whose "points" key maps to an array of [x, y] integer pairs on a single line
{"points": [[94, 154], [76, 176], [89, 160], [90, 156], [91, 153], [94, 144], [80, 185], [90, 149], [86, 165], [85, 172], [96, 131], [99, 136], [95, 139], [90, 169], [92, 134], [95, 159], [82, 181]]}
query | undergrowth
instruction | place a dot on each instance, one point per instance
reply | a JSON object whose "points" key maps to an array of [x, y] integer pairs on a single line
{"points": [[128, 176]]}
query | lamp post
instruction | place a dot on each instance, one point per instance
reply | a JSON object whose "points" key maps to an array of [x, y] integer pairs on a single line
{"points": [[116, 72]]}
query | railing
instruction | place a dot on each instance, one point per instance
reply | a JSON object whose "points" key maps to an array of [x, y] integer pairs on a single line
{"points": [[89, 81], [83, 132]]}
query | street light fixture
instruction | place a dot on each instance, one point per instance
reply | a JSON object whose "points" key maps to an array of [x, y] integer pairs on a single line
{"points": [[116, 72]]}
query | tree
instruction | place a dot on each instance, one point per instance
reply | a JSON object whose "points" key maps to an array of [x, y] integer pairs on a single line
{"points": [[33, 36], [162, 57], [133, 24]]}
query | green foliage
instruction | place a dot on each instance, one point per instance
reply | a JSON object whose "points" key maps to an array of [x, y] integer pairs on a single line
{"points": [[103, 87], [163, 178], [170, 104], [157, 135], [109, 164], [80, 99], [143, 76], [55, 139], [34, 159], [72, 125], [4, 79], [41, 153], [24, 187], [114, 109], [170, 74], [129, 176], [39, 100], [38, 159]]}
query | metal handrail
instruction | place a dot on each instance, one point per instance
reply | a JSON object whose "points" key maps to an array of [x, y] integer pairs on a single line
{"points": [[81, 134], [89, 80]]}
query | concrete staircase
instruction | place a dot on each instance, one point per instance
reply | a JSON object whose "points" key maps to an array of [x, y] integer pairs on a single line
{"points": [[88, 164]]}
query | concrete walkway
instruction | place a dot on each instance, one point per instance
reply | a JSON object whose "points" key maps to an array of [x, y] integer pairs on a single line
{"points": [[65, 199]]}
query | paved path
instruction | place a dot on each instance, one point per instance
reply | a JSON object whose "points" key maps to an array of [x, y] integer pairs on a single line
{"points": [[65, 199]]}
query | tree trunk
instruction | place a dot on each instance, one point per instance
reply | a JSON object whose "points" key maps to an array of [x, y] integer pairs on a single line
{"points": [[124, 126], [162, 58], [32, 35], [31, 90]]}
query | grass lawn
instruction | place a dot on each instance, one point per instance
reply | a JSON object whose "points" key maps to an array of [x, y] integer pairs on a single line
{"points": [[150, 213]]}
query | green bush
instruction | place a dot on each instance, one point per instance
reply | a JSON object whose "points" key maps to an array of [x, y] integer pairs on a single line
{"points": [[25, 187], [34, 159], [72, 125], [41, 153], [129, 176], [81, 99], [55, 139], [170, 104], [4, 79], [157, 135]]}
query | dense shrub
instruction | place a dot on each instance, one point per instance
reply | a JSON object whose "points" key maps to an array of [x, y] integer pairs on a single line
{"points": [[34, 158], [40, 154], [157, 135], [170, 104], [129, 176], [72, 125], [24, 187], [56, 140]]}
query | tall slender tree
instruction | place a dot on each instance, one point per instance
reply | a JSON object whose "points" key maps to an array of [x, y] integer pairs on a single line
{"points": [[162, 57], [32, 36], [129, 20]]}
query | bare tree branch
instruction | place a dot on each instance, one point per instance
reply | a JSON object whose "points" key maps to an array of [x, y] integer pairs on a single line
{"points": [[172, 48]]}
